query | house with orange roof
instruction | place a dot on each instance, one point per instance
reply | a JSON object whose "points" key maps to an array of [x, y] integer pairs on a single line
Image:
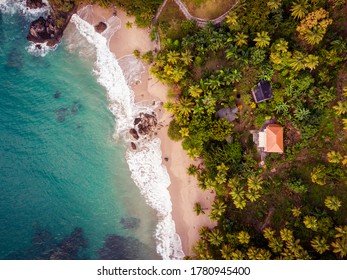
{"points": [[271, 139]]}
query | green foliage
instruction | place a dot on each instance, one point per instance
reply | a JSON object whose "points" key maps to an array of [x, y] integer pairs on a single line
{"points": [[147, 57], [297, 185], [174, 131], [300, 193], [142, 10], [137, 53]]}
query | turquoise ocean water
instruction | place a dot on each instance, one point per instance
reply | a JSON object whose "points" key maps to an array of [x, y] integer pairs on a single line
{"points": [[65, 186]]}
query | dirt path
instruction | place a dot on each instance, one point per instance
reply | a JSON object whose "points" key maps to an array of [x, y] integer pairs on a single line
{"points": [[200, 21]]}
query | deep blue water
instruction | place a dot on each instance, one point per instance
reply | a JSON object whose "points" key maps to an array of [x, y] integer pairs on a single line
{"points": [[65, 187]]}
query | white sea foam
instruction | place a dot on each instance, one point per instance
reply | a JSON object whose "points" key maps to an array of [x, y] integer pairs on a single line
{"points": [[39, 49], [145, 164], [15, 6]]}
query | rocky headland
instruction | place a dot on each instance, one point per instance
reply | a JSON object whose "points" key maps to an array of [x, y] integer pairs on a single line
{"points": [[50, 30]]}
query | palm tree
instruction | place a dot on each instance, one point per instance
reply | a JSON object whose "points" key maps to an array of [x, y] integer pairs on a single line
{"points": [[281, 45], [268, 233], [173, 57], [237, 255], [319, 244], [198, 209], [314, 36], [232, 22], [204, 232], [240, 202], [340, 108], [344, 161], [254, 182], [184, 131], [254, 253], [262, 40], [274, 4], [341, 231], [344, 122], [195, 91], [311, 222], [185, 107], [192, 170], [299, 9], [296, 212], [287, 235], [215, 237], [226, 252], [340, 246], [252, 194], [218, 209], [178, 74], [318, 175], [333, 203], [241, 39], [297, 62], [238, 195], [200, 248], [311, 61], [186, 57], [170, 107], [243, 237], [334, 157], [276, 245]]}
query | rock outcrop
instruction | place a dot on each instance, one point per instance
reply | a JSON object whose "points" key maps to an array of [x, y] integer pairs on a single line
{"points": [[100, 27], [145, 124], [49, 30], [35, 4]]}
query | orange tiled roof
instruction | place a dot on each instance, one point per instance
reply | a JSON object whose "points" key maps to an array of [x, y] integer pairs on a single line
{"points": [[274, 138]]}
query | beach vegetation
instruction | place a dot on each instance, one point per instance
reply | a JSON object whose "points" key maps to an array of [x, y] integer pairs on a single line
{"points": [[137, 54], [147, 57], [198, 209], [293, 204], [129, 24], [174, 131]]}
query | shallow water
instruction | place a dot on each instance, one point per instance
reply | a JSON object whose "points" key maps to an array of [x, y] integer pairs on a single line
{"points": [[63, 177]]}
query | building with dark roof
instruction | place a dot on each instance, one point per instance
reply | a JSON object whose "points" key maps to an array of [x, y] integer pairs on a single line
{"points": [[262, 91], [230, 114]]}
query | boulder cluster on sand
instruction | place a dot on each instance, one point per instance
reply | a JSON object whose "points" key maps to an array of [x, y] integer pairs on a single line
{"points": [[144, 124], [48, 30]]}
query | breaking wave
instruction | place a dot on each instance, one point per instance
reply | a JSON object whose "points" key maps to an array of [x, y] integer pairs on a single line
{"points": [[15, 6], [145, 163]]}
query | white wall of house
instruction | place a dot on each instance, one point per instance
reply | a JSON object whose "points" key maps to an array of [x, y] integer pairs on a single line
{"points": [[262, 139]]}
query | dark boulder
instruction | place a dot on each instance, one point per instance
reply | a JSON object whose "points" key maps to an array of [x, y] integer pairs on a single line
{"points": [[100, 27], [137, 121], [133, 145], [35, 4], [134, 133]]}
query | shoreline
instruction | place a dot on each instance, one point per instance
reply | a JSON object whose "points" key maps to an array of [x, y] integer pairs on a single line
{"points": [[183, 188]]}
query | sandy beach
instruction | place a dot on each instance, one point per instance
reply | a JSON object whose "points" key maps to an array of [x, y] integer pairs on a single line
{"points": [[183, 189]]}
